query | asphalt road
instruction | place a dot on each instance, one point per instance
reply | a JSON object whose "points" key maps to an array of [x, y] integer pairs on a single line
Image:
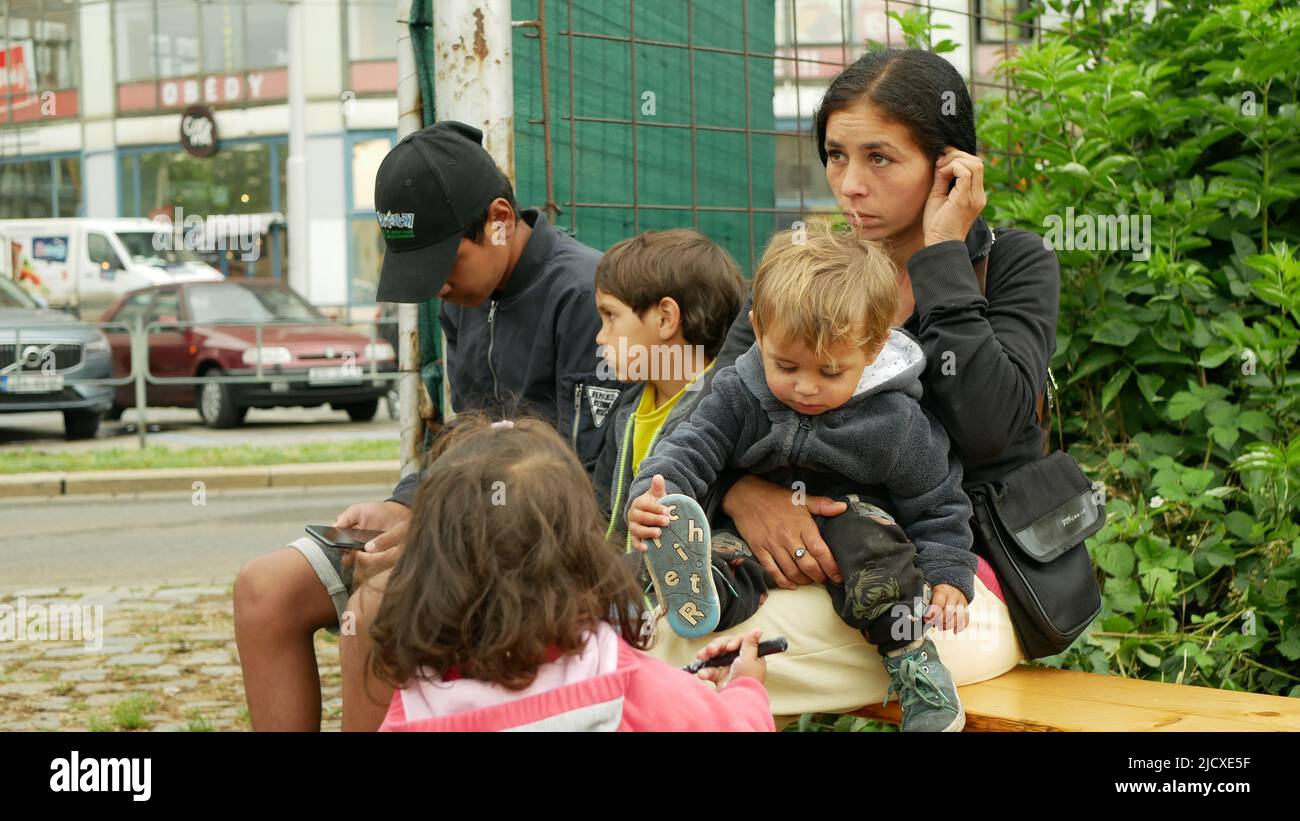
{"points": [[152, 538]]}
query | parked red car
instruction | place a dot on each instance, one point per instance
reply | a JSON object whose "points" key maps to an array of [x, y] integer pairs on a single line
{"points": [[303, 364]]}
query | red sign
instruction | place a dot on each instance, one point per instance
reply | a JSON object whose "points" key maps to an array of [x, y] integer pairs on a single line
{"points": [[249, 88], [20, 100], [17, 72]]}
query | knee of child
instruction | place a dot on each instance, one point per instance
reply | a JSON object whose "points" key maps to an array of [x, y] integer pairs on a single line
{"points": [[265, 590]]}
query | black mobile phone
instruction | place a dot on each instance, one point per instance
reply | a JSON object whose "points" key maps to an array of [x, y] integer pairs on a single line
{"points": [[344, 538]]}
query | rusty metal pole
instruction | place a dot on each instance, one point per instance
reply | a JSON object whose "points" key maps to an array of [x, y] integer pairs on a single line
{"points": [[473, 83], [472, 72], [409, 119]]}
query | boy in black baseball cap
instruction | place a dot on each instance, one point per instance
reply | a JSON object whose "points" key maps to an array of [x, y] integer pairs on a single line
{"points": [[519, 313]]}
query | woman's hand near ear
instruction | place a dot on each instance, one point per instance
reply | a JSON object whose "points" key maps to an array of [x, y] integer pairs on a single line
{"points": [[949, 215]]}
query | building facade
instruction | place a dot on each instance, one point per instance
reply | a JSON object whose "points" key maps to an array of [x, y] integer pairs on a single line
{"points": [[94, 94]]}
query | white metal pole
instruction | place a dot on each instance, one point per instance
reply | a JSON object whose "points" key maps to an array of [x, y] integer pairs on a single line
{"points": [[474, 83], [472, 72], [296, 162], [409, 119]]}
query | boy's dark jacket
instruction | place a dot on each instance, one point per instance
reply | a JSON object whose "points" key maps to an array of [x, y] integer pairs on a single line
{"points": [[881, 445], [532, 347]]}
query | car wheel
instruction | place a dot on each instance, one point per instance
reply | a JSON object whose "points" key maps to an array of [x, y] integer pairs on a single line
{"points": [[362, 411], [216, 404], [115, 412], [80, 424]]}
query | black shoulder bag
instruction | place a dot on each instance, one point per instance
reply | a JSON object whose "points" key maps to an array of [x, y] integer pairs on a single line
{"points": [[1030, 526]]}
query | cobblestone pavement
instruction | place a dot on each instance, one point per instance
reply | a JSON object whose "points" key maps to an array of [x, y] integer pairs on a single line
{"points": [[166, 662]]}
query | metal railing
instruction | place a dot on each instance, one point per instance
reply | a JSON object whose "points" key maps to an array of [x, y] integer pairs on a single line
{"points": [[141, 376]]}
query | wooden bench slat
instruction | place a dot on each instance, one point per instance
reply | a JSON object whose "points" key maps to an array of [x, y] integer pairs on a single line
{"points": [[1046, 699]]}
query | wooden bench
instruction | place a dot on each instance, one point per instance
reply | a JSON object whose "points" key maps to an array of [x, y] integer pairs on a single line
{"points": [[1044, 699]]}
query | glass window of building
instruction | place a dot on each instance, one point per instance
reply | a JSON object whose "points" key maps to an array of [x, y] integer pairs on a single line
{"points": [[372, 31], [367, 245], [67, 186], [133, 28], [237, 180], [223, 37], [38, 48], [40, 188], [176, 42], [365, 242], [366, 158], [267, 30]]}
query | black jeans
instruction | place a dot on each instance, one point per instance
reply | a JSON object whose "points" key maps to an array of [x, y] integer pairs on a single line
{"points": [[883, 594]]}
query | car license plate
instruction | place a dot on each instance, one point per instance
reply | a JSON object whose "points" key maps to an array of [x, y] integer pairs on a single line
{"points": [[31, 383], [280, 386], [334, 376]]}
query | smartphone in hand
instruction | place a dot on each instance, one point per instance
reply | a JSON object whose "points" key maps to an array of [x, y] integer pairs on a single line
{"points": [[343, 538]]}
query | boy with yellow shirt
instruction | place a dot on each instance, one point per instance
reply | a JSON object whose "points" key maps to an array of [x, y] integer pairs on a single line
{"points": [[666, 300]]}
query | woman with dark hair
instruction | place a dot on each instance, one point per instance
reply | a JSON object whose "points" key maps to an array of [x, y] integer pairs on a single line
{"points": [[896, 134]]}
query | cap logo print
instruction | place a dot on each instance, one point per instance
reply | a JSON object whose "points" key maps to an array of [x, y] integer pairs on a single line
{"points": [[397, 225]]}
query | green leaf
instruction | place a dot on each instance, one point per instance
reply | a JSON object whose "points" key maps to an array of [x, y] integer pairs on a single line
{"points": [[1115, 558], [1123, 594], [1225, 436], [1291, 646], [1113, 386], [1255, 422], [1240, 525], [1117, 331], [1093, 362], [1149, 384], [1149, 659], [1195, 480], [1159, 583], [1220, 555], [1219, 411], [1182, 405], [1216, 355]]}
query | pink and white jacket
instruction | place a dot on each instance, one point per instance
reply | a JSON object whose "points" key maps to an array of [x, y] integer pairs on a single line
{"points": [[609, 686]]}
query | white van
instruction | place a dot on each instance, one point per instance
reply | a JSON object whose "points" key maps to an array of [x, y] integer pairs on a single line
{"points": [[84, 264]]}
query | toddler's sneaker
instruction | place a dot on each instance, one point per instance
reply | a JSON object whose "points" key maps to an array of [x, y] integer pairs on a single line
{"points": [[680, 568], [926, 691]]}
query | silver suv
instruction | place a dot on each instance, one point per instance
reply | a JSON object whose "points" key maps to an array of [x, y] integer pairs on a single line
{"points": [[40, 352]]}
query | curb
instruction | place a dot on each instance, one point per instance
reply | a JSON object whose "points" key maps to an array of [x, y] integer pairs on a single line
{"points": [[177, 480]]}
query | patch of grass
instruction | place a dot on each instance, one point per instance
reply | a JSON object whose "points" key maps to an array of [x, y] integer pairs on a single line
{"points": [[198, 724], [99, 724], [30, 460], [129, 714]]}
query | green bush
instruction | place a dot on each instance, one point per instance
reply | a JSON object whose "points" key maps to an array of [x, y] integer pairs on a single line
{"points": [[1177, 372]]}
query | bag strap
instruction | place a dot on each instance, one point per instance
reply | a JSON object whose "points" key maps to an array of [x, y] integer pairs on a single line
{"points": [[1043, 405]]}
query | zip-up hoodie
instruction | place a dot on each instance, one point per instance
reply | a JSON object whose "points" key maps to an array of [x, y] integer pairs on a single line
{"points": [[610, 686], [613, 471], [532, 347], [881, 445], [1002, 338]]}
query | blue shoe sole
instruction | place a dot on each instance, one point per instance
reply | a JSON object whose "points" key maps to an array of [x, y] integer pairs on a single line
{"points": [[680, 568]]}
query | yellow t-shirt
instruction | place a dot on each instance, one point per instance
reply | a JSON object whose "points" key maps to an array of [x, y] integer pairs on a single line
{"points": [[649, 419]]}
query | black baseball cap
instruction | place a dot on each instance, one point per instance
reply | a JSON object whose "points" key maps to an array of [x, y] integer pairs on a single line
{"points": [[429, 187]]}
